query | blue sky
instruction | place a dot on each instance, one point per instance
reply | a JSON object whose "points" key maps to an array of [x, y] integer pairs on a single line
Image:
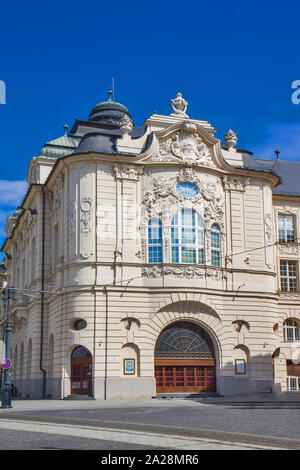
{"points": [[233, 61]]}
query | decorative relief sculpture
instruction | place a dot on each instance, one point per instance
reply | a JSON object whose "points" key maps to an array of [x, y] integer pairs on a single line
{"points": [[187, 146], [164, 202], [230, 139], [179, 105], [289, 249], [232, 183], [165, 196], [85, 215], [126, 125], [268, 229], [187, 272], [81, 212], [128, 173]]}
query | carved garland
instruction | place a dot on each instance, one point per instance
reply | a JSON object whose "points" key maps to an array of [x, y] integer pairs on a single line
{"points": [[187, 272]]}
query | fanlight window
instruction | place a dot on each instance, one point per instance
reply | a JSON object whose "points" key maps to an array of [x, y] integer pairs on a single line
{"points": [[215, 246], [291, 330], [187, 238], [184, 340], [155, 241], [81, 351], [187, 190]]}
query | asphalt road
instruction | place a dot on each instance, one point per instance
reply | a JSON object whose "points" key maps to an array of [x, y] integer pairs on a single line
{"points": [[270, 425]]}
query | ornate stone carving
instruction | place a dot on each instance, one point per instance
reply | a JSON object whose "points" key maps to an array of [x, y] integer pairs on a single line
{"points": [[179, 105], [128, 173], [268, 229], [126, 125], [165, 202], [230, 139], [187, 146], [85, 215], [187, 272], [289, 249], [72, 217], [232, 183], [166, 189]]}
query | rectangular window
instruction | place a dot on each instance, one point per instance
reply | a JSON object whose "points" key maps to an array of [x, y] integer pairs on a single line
{"points": [[188, 255], [155, 254], [155, 241], [288, 276], [215, 258], [286, 231]]}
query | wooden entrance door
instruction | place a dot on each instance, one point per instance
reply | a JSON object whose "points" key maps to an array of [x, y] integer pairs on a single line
{"points": [[184, 360], [185, 378], [81, 372]]}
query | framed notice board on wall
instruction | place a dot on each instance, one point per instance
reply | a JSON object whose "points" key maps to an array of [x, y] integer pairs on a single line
{"points": [[129, 366], [240, 366]]}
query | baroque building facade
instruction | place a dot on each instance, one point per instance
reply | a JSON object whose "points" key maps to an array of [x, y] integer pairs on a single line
{"points": [[154, 259]]}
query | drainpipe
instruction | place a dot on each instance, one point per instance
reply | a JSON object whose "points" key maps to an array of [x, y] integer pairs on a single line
{"points": [[105, 364], [42, 293]]}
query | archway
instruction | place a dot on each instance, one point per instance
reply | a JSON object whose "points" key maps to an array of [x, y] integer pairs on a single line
{"points": [[81, 371], [184, 359]]}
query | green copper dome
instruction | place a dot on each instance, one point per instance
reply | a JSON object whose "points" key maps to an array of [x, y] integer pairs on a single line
{"points": [[108, 112]]}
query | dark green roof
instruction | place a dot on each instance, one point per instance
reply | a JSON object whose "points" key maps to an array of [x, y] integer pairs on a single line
{"points": [[108, 112]]}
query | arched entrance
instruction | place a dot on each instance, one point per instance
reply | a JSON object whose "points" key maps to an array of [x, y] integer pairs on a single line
{"points": [[81, 371], [184, 359]]}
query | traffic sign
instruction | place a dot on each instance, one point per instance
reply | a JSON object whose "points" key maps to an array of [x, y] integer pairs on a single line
{"points": [[6, 364]]}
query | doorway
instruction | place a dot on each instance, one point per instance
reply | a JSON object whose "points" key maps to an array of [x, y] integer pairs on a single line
{"points": [[81, 371], [184, 360]]}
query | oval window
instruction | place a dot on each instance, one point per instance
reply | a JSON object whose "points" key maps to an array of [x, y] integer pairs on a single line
{"points": [[80, 324], [188, 190]]}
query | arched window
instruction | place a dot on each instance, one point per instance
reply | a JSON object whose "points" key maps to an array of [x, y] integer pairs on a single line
{"points": [[155, 241], [215, 246], [291, 330], [187, 238]]}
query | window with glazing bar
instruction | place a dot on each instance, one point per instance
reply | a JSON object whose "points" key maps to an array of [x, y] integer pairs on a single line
{"points": [[215, 246], [291, 330], [155, 241], [288, 276], [286, 230], [187, 238]]}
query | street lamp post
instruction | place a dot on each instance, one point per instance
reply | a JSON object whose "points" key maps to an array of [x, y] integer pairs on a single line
{"points": [[6, 390]]}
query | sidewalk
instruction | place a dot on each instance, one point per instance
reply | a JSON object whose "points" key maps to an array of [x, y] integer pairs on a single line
{"points": [[23, 404]]}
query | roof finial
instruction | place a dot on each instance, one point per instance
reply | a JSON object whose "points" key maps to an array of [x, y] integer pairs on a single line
{"points": [[65, 127], [110, 92], [113, 88], [179, 105]]}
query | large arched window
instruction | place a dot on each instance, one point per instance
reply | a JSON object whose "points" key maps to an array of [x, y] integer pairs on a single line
{"points": [[215, 246], [291, 330], [187, 238], [155, 241]]}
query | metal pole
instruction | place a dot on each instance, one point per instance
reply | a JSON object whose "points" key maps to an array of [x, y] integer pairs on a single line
{"points": [[6, 391]]}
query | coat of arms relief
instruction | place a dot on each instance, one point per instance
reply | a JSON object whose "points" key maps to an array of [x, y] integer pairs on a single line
{"points": [[185, 146]]}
